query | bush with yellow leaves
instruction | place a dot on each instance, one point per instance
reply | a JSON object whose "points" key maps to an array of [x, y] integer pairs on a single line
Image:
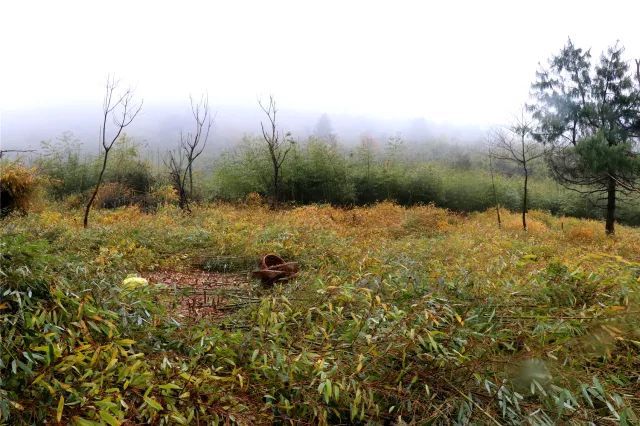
{"points": [[253, 199], [18, 185], [164, 194]]}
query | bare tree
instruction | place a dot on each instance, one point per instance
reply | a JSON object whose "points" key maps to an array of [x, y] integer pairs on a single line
{"points": [[516, 145], [278, 144], [122, 110], [178, 174], [193, 143]]}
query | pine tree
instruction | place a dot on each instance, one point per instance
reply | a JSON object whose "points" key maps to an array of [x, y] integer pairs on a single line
{"points": [[588, 118]]}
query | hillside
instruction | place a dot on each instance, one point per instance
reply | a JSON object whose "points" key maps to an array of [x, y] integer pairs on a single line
{"points": [[397, 315]]}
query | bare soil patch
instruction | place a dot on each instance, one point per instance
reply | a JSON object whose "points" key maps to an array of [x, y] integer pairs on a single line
{"points": [[196, 294]]}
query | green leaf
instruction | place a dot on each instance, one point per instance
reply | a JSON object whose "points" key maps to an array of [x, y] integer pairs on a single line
{"points": [[109, 419], [169, 386], [327, 391], [51, 354], [60, 408], [179, 418], [153, 403]]}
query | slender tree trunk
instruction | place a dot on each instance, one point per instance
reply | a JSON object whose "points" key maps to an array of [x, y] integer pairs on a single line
{"points": [[95, 191], [276, 182], [524, 199], [183, 202], [190, 181], [495, 193], [611, 206], [526, 181]]}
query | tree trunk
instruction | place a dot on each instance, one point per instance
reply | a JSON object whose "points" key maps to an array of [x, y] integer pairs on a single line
{"points": [[190, 180], [495, 194], [524, 200], [95, 191], [276, 181], [183, 201], [611, 206]]}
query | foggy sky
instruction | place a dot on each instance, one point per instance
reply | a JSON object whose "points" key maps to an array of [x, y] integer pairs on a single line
{"points": [[458, 62]]}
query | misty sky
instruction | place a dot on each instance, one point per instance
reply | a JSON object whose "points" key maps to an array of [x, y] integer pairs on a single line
{"points": [[468, 62]]}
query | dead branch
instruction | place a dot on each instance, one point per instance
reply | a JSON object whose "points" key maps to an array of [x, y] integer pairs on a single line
{"points": [[5, 151]]}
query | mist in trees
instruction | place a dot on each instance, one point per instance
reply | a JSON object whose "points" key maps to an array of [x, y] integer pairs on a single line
{"points": [[323, 130], [576, 154]]}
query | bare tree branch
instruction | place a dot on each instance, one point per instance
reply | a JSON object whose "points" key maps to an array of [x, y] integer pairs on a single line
{"points": [[5, 151], [178, 174], [278, 145], [193, 144], [515, 144], [122, 112]]}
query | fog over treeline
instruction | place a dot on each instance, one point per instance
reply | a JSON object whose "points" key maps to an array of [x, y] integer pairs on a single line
{"points": [[158, 126]]}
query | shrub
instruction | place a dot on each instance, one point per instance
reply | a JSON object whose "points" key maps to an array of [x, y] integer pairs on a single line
{"points": [[113, 194], [585, 232], [135, 175], [253, 199], [67, 170], [428, 220], [17, 188], [164, 194]]}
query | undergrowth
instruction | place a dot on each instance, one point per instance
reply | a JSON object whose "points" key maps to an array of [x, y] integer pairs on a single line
{"points": [[398, 316]]}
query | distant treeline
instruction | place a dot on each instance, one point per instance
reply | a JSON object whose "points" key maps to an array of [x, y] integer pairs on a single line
{"points": [[452, 176]]}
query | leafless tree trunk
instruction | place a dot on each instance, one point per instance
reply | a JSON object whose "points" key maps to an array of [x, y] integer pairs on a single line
{"points": [[278, 145], [495, 193], [193, 144], [516, 146], [122, 110], [178, 174]]}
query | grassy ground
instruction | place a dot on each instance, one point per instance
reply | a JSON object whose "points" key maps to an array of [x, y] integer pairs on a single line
{"points": [[398, 315]]}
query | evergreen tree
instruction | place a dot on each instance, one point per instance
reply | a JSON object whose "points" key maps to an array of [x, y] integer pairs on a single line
{"points": [[324, 130], [588, 117]]}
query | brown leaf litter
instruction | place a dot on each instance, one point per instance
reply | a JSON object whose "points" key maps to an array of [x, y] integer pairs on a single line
{"points": [[197, 294]]}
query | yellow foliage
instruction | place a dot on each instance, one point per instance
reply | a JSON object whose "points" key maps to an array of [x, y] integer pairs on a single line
{"points": [[18, 186], [584, 232], [74, 201], [254, 199], [513, 222], [166, 194], [129, 215], [51, 218], [429, 220]]}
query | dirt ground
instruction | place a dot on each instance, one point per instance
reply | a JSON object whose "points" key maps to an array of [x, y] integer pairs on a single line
{"points": [[198, 294]]}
